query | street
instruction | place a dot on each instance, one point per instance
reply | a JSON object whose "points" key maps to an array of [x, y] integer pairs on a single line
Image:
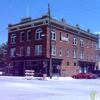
{"points": [[18, 88]]}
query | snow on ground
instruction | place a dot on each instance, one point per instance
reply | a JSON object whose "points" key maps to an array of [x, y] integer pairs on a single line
{"points": [[18, 88]]}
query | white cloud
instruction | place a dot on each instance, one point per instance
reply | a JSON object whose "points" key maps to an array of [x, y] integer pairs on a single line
{"points": [[97, 32]]}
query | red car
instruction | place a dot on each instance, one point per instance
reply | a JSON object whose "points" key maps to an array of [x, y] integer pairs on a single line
{"points": [[83, 75]]}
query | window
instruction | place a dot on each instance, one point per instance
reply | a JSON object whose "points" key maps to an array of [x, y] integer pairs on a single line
{"points": [[74, 63], [74, 41], [82, 54], [53, 34], [74, 53], [28, 51], [67, 64], [67, 53], [96, 46], [22, 36], [87, 44], [87, 55], [91, 56], [81, 43], [60, 36], [21, 50], [53, 52], [28, 35], [38, 50], [68, 38], [38, 34], [13, 38], [96, 57], [13, 52], [60, 51]]}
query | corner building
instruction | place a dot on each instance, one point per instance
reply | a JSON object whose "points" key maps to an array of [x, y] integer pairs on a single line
{"points": [[74, 50]]}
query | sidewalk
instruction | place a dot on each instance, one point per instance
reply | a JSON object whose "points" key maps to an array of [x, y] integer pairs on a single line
{"points": [[48, 78]]}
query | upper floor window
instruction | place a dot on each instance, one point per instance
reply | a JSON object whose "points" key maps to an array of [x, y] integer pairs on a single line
{"points": [[28, 35], [87, 55], [38, 50], [22, 36], [53, 34], [74, 41], [96, 46], [67, 53], [60, 36], [91, 45], [87, 43], [13, 38], [81, 43], [60, 51], [12, 52], [38, 34], [68, 38], [82, 54], [28, 51], [74, 53], [21, 50], [53, 51], [96, 57]]}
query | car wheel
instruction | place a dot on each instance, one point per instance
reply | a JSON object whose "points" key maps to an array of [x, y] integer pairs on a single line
{"points": [[74, 77], [86, 77]]}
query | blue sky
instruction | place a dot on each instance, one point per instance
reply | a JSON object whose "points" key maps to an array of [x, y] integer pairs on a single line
{"points": [[86, 13]]}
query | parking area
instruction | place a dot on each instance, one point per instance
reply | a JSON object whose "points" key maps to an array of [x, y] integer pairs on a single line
{"points": [[18, 88]]}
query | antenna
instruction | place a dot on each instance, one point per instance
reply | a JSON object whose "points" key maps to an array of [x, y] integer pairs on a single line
{"points": [[27, 10]]}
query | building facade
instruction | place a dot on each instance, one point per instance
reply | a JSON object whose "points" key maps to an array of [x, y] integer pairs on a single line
{"points": [[73, 50]]}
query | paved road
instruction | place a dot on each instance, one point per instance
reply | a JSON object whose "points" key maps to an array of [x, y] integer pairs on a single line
{"points": [[18, 88]]}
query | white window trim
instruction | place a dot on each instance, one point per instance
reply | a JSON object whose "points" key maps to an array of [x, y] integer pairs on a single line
{"points": [[60, 36], [28, 51], [28, 35], [67, 55], [74, 53], [39, 33], [81, 43], [13, 38], [12, 50], [60, 52], [53, 50], [37, 50], [21, 37], [74, 38], [52, 34], [81, 54], [96, 46], [21, 51], [68, 38]]}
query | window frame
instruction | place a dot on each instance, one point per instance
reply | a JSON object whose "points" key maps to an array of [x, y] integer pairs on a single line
{"points": [[53, 34], [38, 51], [74, 40], [12, 52], [53, 50], [60, 52], [82, 54], [28, 35], [21, 37], [74, 53], [13, 38], [38, 33], [81, 42], [28, 51]]}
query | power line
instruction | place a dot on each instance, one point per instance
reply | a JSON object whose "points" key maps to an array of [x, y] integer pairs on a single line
{"points": [[81, 11], [73, 5]]}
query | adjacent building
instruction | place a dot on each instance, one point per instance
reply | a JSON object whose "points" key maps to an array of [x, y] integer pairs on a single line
{"points": [[73, 50]]}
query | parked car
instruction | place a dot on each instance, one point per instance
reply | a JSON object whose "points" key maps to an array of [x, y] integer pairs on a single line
{"points": [[97, 72], [85, 75]]}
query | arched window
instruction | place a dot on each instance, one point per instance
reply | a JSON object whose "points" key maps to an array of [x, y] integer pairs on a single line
{"points": [[38, 34], [53, 34], [13, 38]]}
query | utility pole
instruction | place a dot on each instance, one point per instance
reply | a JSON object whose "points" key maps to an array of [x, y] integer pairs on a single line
{"points": [[50, 63]]}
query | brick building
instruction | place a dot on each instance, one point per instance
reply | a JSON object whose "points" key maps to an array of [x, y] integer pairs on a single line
{"points": [[73, 49]]}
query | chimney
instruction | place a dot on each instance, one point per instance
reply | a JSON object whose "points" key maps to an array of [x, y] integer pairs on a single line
{"points": [[9, 25], [88, 30], [77, 26], [63, 21]]}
